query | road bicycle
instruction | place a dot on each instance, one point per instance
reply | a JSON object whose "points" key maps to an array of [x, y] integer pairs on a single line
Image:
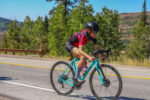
{"points": [[105, 81]]}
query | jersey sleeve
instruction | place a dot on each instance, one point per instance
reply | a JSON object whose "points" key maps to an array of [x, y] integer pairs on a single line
{"points": [[81, 39]]}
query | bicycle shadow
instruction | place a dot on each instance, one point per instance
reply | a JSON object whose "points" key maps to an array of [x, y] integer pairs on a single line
{"points": [[87, 97], [5, 78]]}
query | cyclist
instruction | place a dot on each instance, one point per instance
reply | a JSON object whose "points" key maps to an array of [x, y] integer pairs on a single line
{"points": [[75, 43]]}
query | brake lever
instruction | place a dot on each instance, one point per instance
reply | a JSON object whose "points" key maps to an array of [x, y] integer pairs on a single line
{"points": [[108, 51]]}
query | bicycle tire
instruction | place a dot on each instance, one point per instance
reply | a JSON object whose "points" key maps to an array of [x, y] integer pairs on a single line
{"points": [[52, 78], [118, 92]]}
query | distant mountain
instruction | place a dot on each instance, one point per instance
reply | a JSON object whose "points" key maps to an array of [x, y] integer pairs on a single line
{"points": [[5, 22], [128, 20]]}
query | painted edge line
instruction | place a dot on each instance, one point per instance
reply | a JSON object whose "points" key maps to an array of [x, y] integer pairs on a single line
{"points": [[29, 86], [60, 69], [24, 65], [40, 88]]}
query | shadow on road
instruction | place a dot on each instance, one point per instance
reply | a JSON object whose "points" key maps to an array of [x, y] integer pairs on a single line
{"points": [[5, 78], [87, 97]]}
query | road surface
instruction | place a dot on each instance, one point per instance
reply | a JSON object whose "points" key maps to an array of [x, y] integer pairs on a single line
{"points": [[28, 79]]}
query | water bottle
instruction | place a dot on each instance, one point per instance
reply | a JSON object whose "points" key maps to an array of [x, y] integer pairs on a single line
{"points": [[84, 70]]}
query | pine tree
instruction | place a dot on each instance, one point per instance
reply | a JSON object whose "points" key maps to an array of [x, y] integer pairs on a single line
{"points": [[109, 36], [27, 33], [13, 37], [38, 33], [68, 4], [57, 31], [5, 41], [46, 24], [79, 16], [139, 48], [45, 36], [144, 15], [139, 45]]}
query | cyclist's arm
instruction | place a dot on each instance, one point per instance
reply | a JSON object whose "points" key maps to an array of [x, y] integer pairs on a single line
{"points": [[95, 46], [82, 52]]}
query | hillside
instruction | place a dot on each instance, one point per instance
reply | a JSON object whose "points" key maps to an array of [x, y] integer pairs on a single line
{"points": [[5, 22], [1, 35], [128, 20]]}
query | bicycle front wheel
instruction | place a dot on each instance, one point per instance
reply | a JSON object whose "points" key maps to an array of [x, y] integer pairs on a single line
{"points": [[61, 78], [112, 87]]}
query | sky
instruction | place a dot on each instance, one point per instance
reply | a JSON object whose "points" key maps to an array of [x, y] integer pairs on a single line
{"points": [[19, 9]]}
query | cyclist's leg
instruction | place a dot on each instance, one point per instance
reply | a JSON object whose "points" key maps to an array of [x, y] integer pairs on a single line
{"points": [[81, 64], [75, 51]]}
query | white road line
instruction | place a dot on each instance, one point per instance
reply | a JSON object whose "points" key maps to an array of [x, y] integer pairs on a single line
{"points": [[29, 86], [35, 87]]}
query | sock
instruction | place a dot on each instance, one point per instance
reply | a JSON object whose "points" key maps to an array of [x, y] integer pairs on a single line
{"points": [[78, 73]]}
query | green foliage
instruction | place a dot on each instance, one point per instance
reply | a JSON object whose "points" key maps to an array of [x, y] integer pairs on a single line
{"points": [[57, 31], [33, 35], [139, 45], [144, 14], [12, 40], [38, 33], [80, 15], [5, 41], [109, 36], [27, 34], [51, 33]]}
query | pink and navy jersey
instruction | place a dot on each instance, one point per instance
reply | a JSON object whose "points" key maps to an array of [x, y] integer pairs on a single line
{"points": [[79, 38]]}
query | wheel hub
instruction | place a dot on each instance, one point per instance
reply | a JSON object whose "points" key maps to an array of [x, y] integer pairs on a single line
{"points": [[106, 82]]}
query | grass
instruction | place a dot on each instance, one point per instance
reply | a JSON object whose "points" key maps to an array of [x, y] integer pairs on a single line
{"points": [[124, 60]]}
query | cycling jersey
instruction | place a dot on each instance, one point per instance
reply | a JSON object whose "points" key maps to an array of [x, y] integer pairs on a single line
{"points": [[79, 38]]}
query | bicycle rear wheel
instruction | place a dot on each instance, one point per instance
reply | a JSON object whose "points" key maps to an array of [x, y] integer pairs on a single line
{"points": [[61, 78], [112, 87]]}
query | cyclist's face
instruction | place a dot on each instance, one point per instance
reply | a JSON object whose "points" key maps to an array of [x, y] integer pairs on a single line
{"points": [[93, 34]]}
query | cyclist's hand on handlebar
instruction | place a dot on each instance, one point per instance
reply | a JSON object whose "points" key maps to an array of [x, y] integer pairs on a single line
{"points": [[92, 58], [103, 57]]}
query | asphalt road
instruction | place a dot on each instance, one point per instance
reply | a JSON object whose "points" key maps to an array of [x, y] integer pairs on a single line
{"points": [[27, 79]]}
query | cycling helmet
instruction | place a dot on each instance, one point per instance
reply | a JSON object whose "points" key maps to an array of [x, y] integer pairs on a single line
{"points": [[92, 26]]}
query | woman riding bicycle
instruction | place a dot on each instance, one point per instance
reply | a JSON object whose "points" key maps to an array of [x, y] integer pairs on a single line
{"points": [[75, 43]]}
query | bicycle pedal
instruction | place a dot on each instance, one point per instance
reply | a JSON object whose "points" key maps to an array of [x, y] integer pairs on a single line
{"points": [[78, 87]]}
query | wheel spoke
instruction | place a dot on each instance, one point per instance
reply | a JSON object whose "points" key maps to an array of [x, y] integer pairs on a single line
{"points": [[59, 85], [111, 87]]}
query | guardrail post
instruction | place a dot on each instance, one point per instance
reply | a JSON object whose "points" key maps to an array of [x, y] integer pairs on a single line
{"points": [[42, 53], [14, 53]]}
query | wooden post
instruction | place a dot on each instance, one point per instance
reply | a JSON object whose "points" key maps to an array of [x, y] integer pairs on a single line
{"points": [[14, 53]]}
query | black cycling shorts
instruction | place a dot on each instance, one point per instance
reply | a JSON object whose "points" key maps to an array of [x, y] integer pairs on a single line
{"points": [[69, 47]]}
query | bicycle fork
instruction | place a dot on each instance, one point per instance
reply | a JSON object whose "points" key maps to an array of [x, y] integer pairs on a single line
{"points": [[100, 73]]}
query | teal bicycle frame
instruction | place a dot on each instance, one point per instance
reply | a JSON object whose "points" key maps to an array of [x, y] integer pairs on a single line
{"points": [[86, 73]]}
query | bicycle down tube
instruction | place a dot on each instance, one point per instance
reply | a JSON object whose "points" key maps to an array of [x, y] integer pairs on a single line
{"points": [[86, 73]]}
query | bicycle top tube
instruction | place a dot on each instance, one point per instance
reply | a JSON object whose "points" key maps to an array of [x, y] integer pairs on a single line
{"points": [[79, 59]]}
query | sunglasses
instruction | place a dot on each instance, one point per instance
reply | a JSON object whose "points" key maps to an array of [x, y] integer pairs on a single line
{"points": [[95, 32]]}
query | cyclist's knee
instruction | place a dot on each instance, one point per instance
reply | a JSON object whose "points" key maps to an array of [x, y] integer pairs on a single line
{"points": [[82, 58]]}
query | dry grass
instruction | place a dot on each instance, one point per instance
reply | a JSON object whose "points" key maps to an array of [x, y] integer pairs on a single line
{"points": [[123, 60]]}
